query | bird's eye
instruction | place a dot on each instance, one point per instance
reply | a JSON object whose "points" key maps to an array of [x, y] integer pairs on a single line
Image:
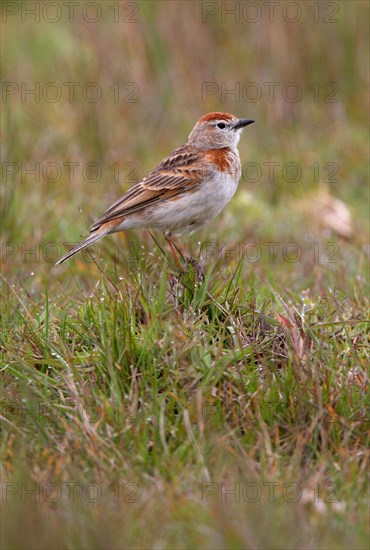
{"points": [[221, 125]]}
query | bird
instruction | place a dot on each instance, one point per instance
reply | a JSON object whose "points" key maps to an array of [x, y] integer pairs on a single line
{"points": [[185, 191]]}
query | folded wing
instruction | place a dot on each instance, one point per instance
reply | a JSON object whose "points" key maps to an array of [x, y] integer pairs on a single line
{"points": [[179, 172]]}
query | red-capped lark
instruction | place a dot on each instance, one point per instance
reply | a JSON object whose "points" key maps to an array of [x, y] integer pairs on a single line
{"points": [[186, 190]]}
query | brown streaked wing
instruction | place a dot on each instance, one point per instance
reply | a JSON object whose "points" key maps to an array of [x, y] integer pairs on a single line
{"points": [[170, 178]]}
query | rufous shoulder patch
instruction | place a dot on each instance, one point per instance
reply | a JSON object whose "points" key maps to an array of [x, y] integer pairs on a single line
{"points": [[222, 158]]}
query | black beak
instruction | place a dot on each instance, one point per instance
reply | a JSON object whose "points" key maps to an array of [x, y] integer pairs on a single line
{"points": [[243, 122]]}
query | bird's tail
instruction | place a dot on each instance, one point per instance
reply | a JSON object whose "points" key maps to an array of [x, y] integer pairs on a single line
{"points": [[95, 236]]}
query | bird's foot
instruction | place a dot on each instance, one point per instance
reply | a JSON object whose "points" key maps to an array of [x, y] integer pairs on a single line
{"points": [[197, 267]]}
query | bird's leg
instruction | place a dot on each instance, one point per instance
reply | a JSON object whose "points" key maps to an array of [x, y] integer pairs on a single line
{"points": [[180, 256], [175, 249]]}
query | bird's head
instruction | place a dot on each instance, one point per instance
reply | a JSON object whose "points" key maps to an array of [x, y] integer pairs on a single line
{"points": [[217, 130]]}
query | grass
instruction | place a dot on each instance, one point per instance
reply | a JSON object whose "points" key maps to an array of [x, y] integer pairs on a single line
{"points": [[141, 407], [164, 392]]}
